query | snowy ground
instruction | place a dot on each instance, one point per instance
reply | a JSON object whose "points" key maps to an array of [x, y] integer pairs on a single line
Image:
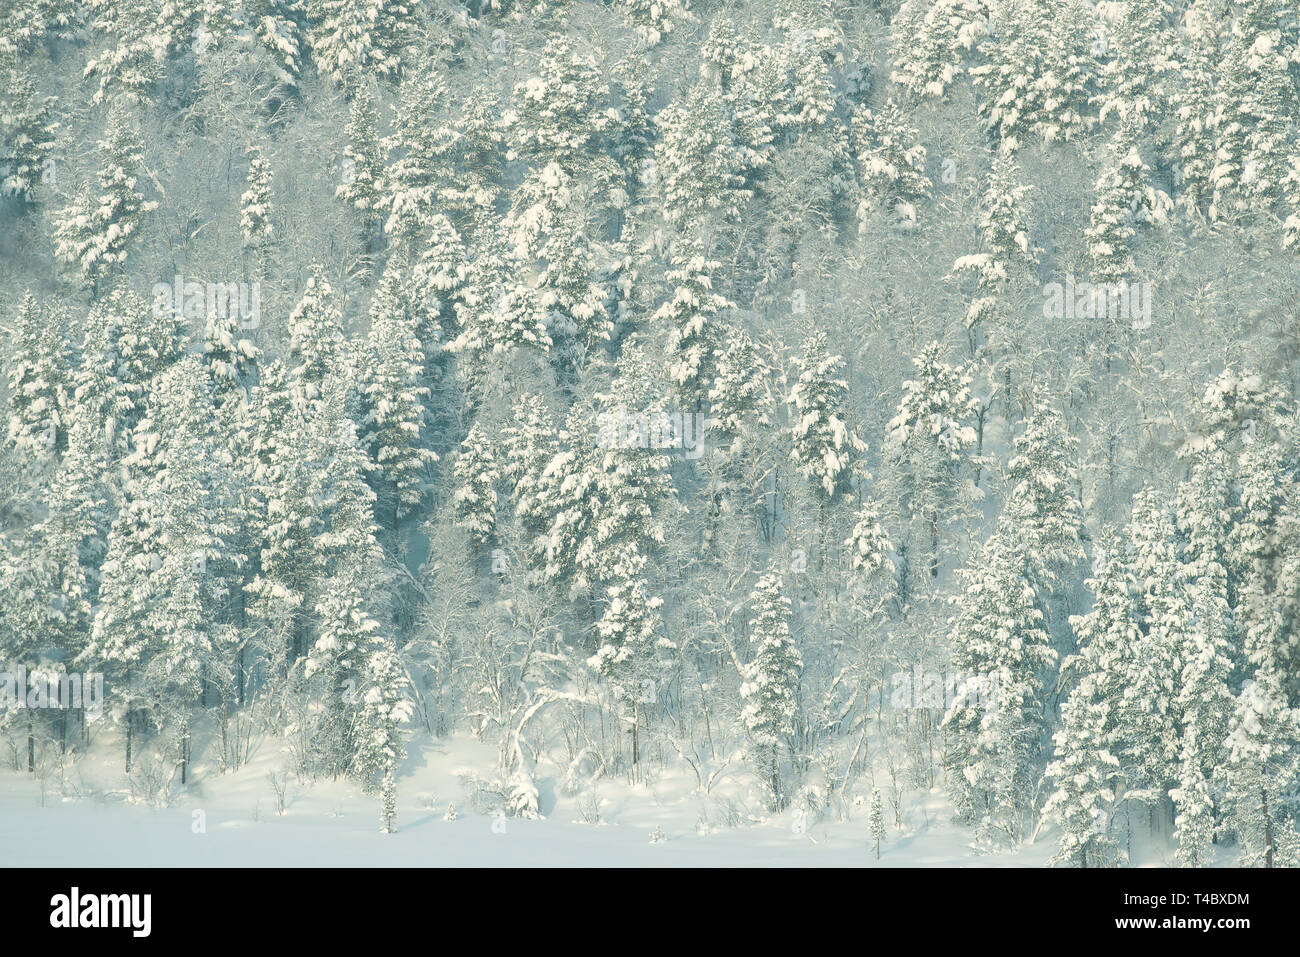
{"points": [[94, 823]]}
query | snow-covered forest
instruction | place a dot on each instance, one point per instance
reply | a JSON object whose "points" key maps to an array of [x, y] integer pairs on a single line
{"points": [[866, 419]]}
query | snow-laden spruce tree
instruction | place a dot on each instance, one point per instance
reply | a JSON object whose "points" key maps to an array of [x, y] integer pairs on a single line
{"points": [[933, 42], [362, 170], [996, 728], [530, 442], [27, 131], [1042, 473], [876, 820], [1193, 107], [336, 670], [868, 544], [1207, 655], [435, 283], [739, 400], [604, 488], [477, 473], [126, 344], [928, 452], [1142, 46], [823, 447], [700, 167], [558, 115], [1040, 74], [546, 195], [46, 595], [1264, 551], [46, 592], [654, 19], [74, 532], [499, 311], [230, 358], [632, 652], [424, 163], [891, 165], [135, 44], [255, 205], [98, 230], [317, 513], [40, 382], [770, 690], [1006, 252], [278, 27], [1148, 700], [693, 319], [355, 38], [1087, 773], [1254, 101], [470, 199], [385, 710], [750, 85], [1262, 769], [43, 584], [393, 427], [1125, 197], [160, 629], [570, 288], [317, 347]]}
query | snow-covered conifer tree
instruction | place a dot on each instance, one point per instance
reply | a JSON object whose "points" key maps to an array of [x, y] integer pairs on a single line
{"points": [[700, 168], [160, 626], [477, 476], [739, 400], [39, 382], [771, 686], [891, 165], [1125, 197], [363, 157], [928, 450], [255, 205], [1003, 652], [1040, 73], [824, 448], [876, 820], [933, 41], [96, 232], [317, 345], [1006, 249], [393, 428], [28, 134], [359, 37], [1087, 772], [693, 317]]}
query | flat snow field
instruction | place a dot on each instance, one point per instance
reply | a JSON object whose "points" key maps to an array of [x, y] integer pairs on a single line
{"points": [[229, 820]]}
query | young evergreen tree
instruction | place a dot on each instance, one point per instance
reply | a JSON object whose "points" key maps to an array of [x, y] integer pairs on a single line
{"points": [[255, 205], [876, 820], [771, 686]]}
